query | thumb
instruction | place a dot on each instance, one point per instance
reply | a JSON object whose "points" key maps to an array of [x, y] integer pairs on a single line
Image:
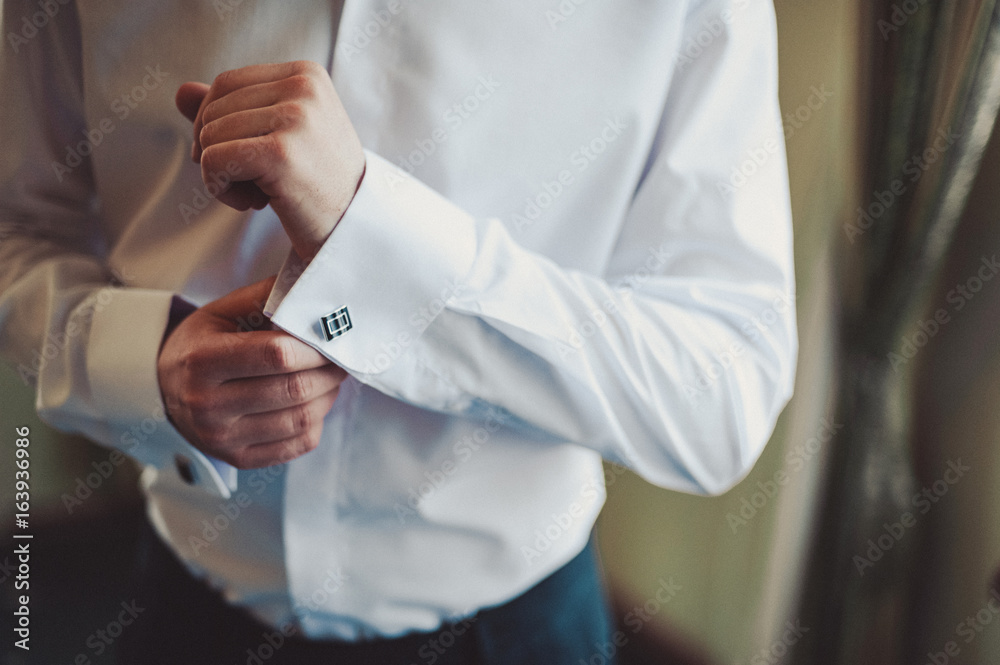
{"points": [[189, 97], [243, 301]]}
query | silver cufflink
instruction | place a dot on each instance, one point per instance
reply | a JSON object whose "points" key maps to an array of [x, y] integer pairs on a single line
{"points": [[336, 323]]}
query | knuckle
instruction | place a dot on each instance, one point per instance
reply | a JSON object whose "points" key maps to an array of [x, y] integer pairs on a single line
{"points": [[299, 446], [301, 85], [174, 404], [223, 81], [188, 359], [207, 134], [202, 406], [303, 420], [309, 68], [210, 112], [288, 115], [211, 160], [213, 435], [298, 387], [279, 355], [310, 441], [275, 148]]}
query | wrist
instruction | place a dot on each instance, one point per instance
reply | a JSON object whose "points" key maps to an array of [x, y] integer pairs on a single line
{"points": [[307, 245]]}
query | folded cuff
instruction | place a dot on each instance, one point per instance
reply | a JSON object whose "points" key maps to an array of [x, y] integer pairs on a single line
{"points": [[124, 343], [392, 264]]}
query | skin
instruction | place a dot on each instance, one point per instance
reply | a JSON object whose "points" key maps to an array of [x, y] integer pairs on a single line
{"points": [[285, 128], [258, 398]]}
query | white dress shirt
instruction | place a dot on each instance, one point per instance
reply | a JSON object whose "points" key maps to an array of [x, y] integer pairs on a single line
{"points": [[572, 241]]}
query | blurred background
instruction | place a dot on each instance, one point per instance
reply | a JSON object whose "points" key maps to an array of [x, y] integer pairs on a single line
{"points": [[869, 530]]}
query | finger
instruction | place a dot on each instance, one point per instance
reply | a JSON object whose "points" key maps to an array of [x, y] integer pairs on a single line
{"points": [[247, 351], [270, 454], [235, 127], [234, 79], [243, 124], [280, 391], [243, 195], [284, 450], [240, 194], [256, 96], [261, 353], [189, 97], [283, 424], [260, 160]]}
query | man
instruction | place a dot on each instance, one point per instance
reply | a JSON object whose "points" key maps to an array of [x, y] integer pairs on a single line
{"points": [[384, 334]]}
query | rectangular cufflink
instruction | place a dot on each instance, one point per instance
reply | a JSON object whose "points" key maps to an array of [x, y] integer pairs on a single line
{"points": [[336, 323]]}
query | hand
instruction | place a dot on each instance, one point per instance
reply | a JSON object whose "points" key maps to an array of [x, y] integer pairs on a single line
{"points": [[288, 136], [251, 398]]}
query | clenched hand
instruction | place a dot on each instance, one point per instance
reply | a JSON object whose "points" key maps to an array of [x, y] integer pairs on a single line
{"points": [[251, 398], [284, 128]]}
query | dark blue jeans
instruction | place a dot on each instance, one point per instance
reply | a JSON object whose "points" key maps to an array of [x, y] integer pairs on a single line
{"points": [[561, 621]]}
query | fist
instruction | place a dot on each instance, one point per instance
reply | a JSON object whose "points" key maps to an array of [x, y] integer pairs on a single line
{"points": [[251, 398], [283, 131]]}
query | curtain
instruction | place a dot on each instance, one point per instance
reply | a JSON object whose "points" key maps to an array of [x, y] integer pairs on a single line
{"points": [[930, 89]]}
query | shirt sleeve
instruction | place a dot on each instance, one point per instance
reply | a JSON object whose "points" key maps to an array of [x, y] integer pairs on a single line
{"points": [[71, 330], [675, 360]]}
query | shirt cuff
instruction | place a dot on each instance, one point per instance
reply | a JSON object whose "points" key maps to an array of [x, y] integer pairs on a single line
{"points": [[124, 342], [391, 265]]}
